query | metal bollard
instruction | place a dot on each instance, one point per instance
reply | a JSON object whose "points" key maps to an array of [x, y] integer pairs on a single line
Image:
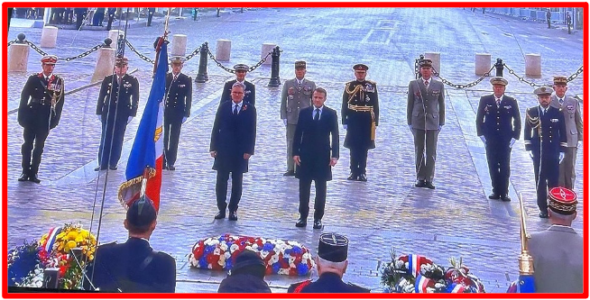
{"points": [[417, 66], [274, 72], [499, 68], [218, 9], [107, 43], [202, 75], [21, 38]]}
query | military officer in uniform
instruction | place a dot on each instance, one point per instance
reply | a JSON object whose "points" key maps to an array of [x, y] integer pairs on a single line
{"points": [[360, 117], [574, 128], [545, 140], [39, 111], [116, 106], [331, 263], [498, 126], [250, 92], [176, 110], [558, 252], [426, 116], [296, 96], [133, 266]]}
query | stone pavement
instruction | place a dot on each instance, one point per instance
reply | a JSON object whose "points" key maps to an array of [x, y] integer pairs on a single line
{"points": [[386, 212]]}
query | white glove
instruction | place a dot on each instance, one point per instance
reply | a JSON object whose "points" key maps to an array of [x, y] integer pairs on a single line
{"points": [[483, 139], [129, 119], [530, 153], [184, 119], [285, 122], [99, 117], [561, 156], [345, 127], [512, 141]]}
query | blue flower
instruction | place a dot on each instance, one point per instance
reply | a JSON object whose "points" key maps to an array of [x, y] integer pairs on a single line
{"points": [[302, 269], [268, 247], [228, 264], [203, 262], [387, 290], [296, 250], [208, 249], [276, 267]]}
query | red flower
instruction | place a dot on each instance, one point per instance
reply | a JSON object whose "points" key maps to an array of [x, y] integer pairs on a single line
{"points": [[244, 107]]}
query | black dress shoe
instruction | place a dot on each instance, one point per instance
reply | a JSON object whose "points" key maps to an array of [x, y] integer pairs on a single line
{"points": [[100, 168], [352, 177], [113, 167], [23, 177], [420, 183], [543, 215], [301, 222], [220, 215], [33, 178], [289, 173], [171, 168], [429, 185], [494, 196], [505, 198], [317, 224], [233, 215], [362, 177]]}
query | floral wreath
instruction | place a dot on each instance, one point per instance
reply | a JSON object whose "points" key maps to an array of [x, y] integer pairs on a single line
{"points": [[418, 274], [280, 257]]}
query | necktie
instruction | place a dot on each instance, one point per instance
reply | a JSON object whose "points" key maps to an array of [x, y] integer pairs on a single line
{"points": [[545, 111], [235, 109], [175, 77], [426, 84], [498, 100], [560, 100], [317, 115]]}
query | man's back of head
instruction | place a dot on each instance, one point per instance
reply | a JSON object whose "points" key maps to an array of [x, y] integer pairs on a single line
{"points": [[332, 254], [141, 218]]}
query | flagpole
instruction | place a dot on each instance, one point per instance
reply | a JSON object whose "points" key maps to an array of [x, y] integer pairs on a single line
{"points": [[526, 281]]}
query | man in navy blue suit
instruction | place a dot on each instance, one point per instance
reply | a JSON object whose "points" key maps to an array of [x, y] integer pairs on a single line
{"points": [[545, 139], [133, 267], [498, 126], [232, 143], [314, 155]]}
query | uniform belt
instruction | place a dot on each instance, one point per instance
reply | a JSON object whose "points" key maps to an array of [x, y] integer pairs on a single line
{"points": [[360, 108], [40, 101]]}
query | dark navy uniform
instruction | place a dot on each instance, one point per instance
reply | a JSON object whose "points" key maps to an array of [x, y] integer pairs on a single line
{"points": [[121, 100], [360, 113], [151, 12], [249, 93], [37, 116], [178, 106], [333, 248], [134, 267], [111, 16], [545, 136], [498, 123]]}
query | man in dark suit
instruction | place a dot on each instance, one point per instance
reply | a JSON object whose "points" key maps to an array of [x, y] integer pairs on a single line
{"points": [[232, 143], [151, 12], [39, 111], [360, 117], [315, 152], [111, 16], [498, 126], [426, 117], [558, 252], [331, 263], [117, 104], [545, 139], [133, 267], [177, 109], [250, 89]]}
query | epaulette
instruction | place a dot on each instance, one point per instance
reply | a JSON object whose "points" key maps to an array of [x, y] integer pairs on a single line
{"points": [[371, 82], [109, 244], [363, 289]]}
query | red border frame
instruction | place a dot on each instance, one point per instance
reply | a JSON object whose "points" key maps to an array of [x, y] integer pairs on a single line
{"points": [[6, 4]]}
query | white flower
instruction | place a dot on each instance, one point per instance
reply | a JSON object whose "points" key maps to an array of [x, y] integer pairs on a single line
{"points": [[263, 254], [273, 259], [217, 251], [223, 247], [399, 264], [234, 247], [283, 271], [227, 255]]}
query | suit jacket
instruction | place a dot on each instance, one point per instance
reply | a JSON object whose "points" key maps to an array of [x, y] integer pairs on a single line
{"points": [[426, 108], [295, 97], [35, 102], [558, 258], [573, 119], [499, 123], [312, 143], [327, 283], [132, 267], [249, 92], [179, 95], [552, 135], [125, 98], [232, 136]]}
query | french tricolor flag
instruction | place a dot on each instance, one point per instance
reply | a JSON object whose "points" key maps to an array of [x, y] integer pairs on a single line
{"points": [[414, 263], [148, 146]]}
